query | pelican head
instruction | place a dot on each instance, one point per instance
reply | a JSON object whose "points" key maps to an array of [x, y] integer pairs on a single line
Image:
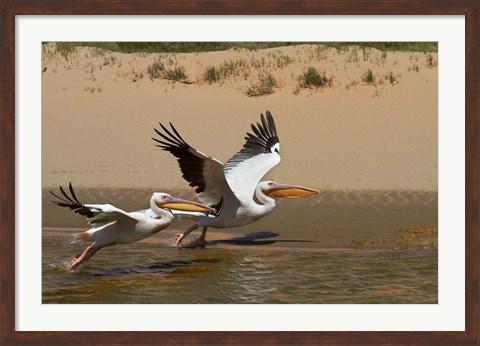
{"points": [[274, 189], [165, 201]]}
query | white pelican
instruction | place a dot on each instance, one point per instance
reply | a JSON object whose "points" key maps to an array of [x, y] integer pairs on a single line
{"points": [[232, 189], [111, 226]]}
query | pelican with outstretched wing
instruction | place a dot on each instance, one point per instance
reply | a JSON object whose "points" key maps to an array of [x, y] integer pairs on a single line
{"points": [[111, 226], [233, 189]]}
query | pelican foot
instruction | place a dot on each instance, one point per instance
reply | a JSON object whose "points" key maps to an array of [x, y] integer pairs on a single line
{"points": [[73, 265], [178, 239]]}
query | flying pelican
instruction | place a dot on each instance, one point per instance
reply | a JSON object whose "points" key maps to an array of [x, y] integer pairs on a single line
{"points": [[232, 189], [111, 226]]}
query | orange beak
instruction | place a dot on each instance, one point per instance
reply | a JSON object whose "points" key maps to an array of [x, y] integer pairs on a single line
{"points": [[289, 191]]}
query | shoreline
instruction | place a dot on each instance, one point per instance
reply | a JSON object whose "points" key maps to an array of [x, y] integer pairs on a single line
{"points": [[364, 197]]}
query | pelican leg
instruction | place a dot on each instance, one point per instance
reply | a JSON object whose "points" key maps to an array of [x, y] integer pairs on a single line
{"points": [[85, 256], [184, 234]]}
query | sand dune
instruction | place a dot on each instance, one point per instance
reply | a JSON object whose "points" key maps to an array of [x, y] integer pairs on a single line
{"points": [[99, 109]]}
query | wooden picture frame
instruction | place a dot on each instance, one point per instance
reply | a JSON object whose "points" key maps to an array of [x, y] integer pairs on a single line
{"points": [[10, 9]]}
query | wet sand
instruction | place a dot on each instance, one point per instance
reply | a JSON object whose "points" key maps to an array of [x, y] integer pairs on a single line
{"points": [[358, 213], [301, 253]]}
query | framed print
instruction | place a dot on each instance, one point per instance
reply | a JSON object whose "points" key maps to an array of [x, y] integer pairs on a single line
{"points": [[372, 108]]}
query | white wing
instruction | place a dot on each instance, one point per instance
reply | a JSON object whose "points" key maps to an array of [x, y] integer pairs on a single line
{"points": [[201, 171], [260, 153], [96, 214]]}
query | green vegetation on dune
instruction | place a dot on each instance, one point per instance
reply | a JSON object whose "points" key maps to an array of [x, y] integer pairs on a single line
{"points": [[311, 78], [191, 47], [256, 72], [265, 86], [387, 46]]}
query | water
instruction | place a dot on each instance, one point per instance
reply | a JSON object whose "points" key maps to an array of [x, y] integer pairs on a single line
{"points": [[311, 260]]}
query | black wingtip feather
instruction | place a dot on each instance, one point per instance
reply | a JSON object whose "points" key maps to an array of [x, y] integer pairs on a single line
{"points": [[64, 194], [264, 138], [254, 129], [191, 165], [71, 202], [170, 138], [60, 198], [73, 193], [178, 135], [271, 123]]}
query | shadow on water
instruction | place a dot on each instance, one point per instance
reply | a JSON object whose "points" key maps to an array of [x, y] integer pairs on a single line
{"points": [[139, 269], [253, 239]]}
